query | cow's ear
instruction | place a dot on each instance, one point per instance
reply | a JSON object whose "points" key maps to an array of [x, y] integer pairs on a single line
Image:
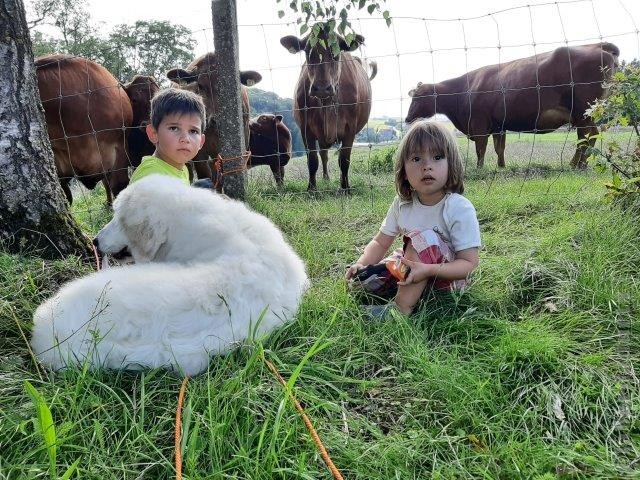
{"points": [[278, 118], [293, 43], [355, 43], [180, 76], [249, 77]]}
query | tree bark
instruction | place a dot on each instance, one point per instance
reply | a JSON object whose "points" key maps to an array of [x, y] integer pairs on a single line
{"points": [[34, 213], [229, 104]]}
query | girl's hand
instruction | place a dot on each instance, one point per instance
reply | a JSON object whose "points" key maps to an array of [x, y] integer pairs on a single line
{"points": [[352, 270], [419, 271]]}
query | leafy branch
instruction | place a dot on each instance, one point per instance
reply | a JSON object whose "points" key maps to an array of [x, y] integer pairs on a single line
{"points": [[332, 16]]}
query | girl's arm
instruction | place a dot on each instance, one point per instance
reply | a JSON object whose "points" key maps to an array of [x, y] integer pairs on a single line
{"points": [[464, 263], [373, 253]]}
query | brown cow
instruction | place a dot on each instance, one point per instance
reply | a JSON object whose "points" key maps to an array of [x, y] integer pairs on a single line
{"points": [[332, 100], [533, 94], [270, 144], [140, 90], [87, 114], [199, 77]]}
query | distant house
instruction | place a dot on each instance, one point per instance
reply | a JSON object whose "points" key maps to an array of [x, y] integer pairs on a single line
{"points": [[387, 133]]}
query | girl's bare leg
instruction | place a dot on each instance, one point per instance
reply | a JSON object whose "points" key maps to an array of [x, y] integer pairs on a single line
{"points": [[408, 295]]}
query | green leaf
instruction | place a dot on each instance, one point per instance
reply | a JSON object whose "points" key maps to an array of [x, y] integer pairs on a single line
{"points": [[387, 17], [280, 13], [70, 470], [303, 29], [45, 424], [371, 9], [361, 4]]}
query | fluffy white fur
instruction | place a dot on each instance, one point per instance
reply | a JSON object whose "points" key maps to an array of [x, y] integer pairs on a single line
{"points": [[206, 268]]}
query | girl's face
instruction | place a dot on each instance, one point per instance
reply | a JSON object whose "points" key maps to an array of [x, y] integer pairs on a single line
{"points": [[427, 172]]}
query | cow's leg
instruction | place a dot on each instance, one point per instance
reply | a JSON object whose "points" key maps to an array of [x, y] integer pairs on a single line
{"points": [[324, 155], [107, 191], [278, 173], [119, 177], [584, 129], [481, 148], [64, 183], [344, 160], [312, 160], [203, 168], [190, 170], [499, 141]]}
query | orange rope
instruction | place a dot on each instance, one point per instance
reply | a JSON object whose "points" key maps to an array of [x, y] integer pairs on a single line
{"points": [[178, 429], [312, 431], [221, 171]]}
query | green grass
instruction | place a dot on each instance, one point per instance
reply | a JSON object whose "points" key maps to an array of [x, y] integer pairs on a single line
{"points": [[522, 376]]}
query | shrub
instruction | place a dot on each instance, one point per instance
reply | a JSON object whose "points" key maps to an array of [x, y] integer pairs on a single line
{"points": [[620, 107], [383, 160]]}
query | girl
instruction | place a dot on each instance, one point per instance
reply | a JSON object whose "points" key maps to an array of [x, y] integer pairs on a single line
{"points": [[439, 226]]}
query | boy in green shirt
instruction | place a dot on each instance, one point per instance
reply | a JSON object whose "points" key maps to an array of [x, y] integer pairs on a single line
{"points": [[177, 120]]}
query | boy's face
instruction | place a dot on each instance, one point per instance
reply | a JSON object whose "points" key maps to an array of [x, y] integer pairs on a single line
{"points": [[177, 139]]}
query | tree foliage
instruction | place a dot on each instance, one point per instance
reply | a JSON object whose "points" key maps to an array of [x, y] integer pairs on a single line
{"points": [[149, 48], [332, 16], [620, 107]]}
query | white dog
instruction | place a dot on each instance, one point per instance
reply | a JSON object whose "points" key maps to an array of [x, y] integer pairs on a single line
{"points": [[209, 273]]}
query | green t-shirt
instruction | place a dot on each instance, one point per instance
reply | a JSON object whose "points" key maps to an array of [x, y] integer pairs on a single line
{"points": [[151, 165]]}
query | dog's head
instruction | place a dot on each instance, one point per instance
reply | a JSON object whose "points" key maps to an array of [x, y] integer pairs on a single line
{"points": [[140, 223]]}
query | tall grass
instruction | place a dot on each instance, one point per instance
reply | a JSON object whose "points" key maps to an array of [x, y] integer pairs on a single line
{"points": [[528, 374]]}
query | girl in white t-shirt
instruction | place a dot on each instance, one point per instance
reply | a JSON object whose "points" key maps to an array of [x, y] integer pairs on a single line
{"points": [[439, 226]]}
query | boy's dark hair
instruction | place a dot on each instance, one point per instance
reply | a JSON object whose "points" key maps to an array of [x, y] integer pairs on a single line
{"points": [[423, 135], [174, 100]]}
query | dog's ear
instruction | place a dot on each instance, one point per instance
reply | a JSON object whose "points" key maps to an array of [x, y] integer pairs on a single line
{"points": [[145, 238]]}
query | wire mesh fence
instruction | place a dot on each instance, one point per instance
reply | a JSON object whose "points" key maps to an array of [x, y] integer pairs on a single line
{"points": [[96, 124]]}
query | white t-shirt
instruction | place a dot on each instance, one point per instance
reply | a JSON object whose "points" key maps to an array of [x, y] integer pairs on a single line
{"points": [[453, 217]]}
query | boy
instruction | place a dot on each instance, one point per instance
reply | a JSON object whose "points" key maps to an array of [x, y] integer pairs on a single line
{"points": [[177, 120]]}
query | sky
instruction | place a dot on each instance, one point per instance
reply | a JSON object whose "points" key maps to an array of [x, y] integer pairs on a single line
{"points": [[427, 41]]}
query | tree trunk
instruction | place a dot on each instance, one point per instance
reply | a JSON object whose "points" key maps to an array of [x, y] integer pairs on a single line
{"points": [[229, 104], [34, 213]]}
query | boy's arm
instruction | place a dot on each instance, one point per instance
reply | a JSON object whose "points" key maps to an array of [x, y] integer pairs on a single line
{"points": [[464, 263], [373, 253]]}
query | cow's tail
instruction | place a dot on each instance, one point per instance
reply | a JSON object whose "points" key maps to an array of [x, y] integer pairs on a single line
{"points": [[374, 69]]}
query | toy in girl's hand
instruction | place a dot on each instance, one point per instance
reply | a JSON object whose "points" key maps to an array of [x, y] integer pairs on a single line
{"points": [[398, 269]]}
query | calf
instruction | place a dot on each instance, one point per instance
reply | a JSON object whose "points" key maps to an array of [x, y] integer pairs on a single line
{"points": [[270, 144]]}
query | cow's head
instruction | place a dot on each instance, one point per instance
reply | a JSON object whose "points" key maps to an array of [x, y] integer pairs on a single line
{"points": [[423, 102], [270, 137], [140, 90], [323, 66], [200, 77]]}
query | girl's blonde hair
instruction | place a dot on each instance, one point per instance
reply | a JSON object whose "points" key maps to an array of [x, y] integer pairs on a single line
{"points": [[431, 136]]}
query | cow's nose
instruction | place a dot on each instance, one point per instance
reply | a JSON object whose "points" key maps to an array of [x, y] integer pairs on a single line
{"points": [[322, 91]]}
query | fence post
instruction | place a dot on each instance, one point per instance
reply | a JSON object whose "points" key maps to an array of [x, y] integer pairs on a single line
{"points": [[229, 105]]}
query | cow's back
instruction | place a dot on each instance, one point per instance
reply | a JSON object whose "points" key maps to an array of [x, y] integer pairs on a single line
{"points": [[87, 112], [348, 114], [537, 93]]}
